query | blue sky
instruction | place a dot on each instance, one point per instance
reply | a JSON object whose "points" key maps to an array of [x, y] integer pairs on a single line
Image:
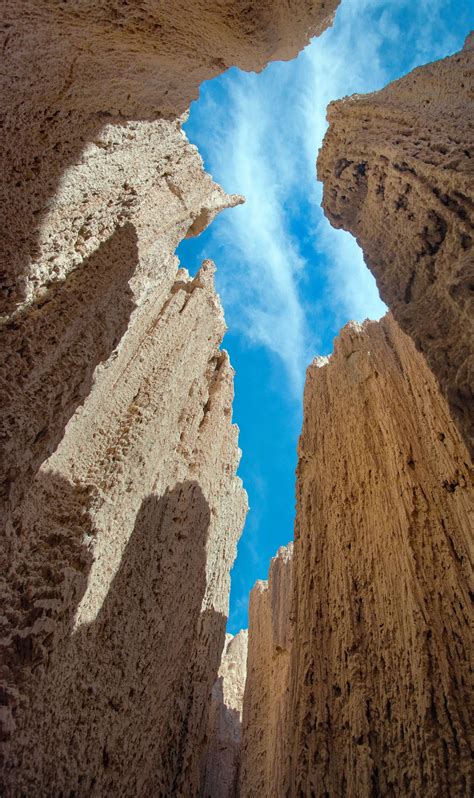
{"points": [[287, 280]]}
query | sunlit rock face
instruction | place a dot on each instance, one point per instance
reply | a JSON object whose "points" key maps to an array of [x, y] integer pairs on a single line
{"points": [[381, 653], [119, 554], [397, 172], [264, 768], [222, 760]]}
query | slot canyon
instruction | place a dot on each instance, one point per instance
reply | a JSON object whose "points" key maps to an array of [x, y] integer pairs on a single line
{"points": [[120, 500]]}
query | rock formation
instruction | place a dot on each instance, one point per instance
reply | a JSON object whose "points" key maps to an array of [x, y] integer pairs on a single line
{"points": [[120, 555], [118, 489], [397, 172], [120, 501], [381, 654], [264, 770], [222, 761]]}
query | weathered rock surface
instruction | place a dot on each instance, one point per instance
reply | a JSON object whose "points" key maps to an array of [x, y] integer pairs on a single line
{"points": [[221, 768], [120, 501], [89, 79], [398, 173], [119, 558], [264, 771], [381, 657]]}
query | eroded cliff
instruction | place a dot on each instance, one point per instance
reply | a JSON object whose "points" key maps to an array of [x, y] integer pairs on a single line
{"points": [[71, 70], [382, 650], [264, 767], [120, 501], [120, 555], [397, 168], [222, 759]]}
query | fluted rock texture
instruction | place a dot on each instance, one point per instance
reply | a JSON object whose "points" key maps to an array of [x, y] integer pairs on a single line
{"points": [[263, 770], [221, 766], [398, 173], [382, 651], [120, 555]]}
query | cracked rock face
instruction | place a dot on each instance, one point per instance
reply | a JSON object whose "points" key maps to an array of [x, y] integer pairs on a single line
{"points": [[263, 769], [397, 168], [380, 659], [222, 759]]}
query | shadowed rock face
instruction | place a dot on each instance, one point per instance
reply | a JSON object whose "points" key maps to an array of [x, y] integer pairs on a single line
{"points": [[397, 168], [117, 562], [222, 760], [264, 768], [381, 655]]}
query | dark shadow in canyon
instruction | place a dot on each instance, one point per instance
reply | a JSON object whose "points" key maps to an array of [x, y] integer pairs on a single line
{"points": [[50, 353], [119, 699], [224, 751]]}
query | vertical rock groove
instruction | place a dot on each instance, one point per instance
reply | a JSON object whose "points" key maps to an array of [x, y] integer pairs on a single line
{"points": [[263, 769], [381, 656]]}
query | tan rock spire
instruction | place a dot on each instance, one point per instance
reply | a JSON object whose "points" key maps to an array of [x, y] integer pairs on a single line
{"points": [[264, 770], [380, 662]]}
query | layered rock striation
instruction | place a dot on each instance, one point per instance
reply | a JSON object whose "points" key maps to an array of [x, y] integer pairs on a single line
{"points": [[381, 658], [266, 732], [222, 761], [397, 168]]}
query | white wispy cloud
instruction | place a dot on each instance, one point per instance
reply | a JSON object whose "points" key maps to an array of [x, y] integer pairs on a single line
{"points": [[261, 139], [260, 290]]}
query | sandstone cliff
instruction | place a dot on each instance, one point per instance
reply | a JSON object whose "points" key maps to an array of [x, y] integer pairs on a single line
{"points": [[397, 172], [263, 769], [120, 502], [381, 655], [222, 760]]}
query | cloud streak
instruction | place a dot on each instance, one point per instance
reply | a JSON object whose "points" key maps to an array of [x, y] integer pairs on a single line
{"points": [[286, 270]]}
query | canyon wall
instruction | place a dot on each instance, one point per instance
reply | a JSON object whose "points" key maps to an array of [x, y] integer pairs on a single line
{"points": [[397, 168], [119, 498], [222, 760], [263, 769], [382, 650]]}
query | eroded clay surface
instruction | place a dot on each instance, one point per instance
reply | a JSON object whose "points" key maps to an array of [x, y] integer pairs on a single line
{"points": [[264, 768], [222, 759]]}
